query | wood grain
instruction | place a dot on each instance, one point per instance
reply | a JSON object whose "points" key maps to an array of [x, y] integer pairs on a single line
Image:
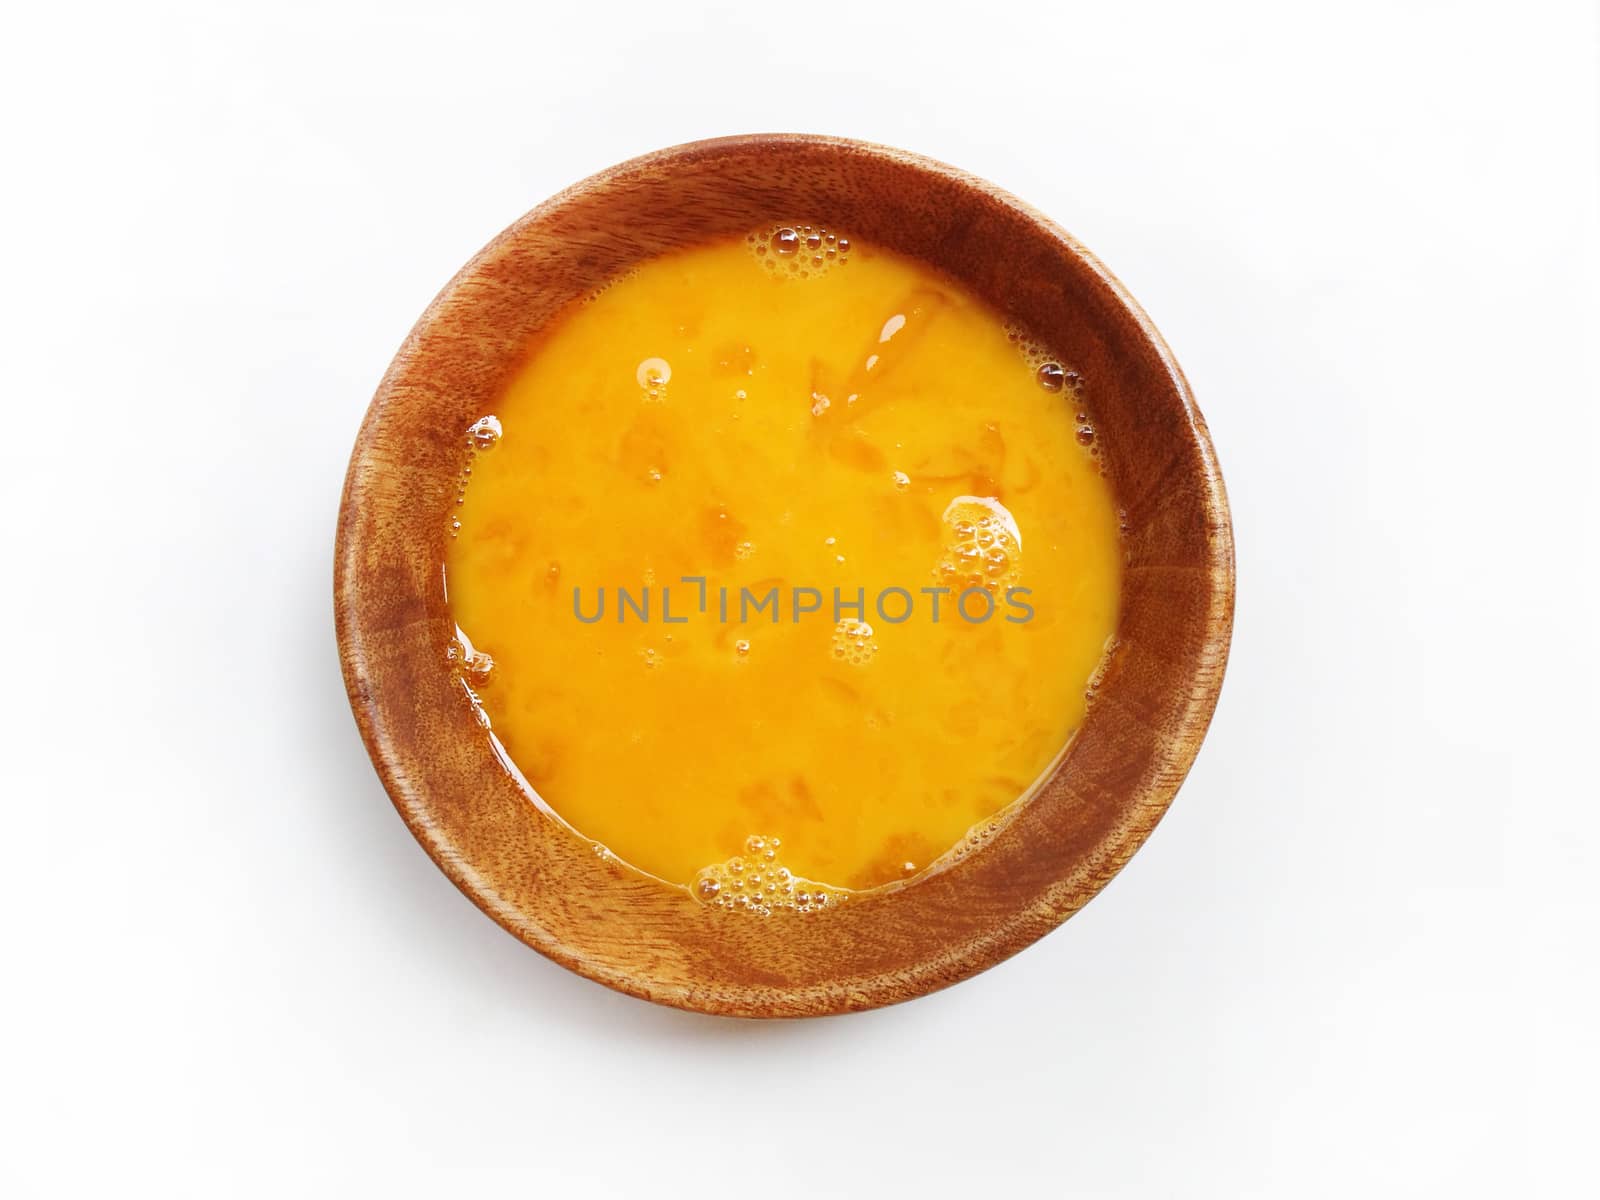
{"points": [[548, 886]]}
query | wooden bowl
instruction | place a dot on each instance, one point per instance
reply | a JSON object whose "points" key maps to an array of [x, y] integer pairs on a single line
{"points": [[547, 885]]}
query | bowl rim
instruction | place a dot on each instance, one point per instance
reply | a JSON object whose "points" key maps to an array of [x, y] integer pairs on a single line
{"points": [[396, 762]]}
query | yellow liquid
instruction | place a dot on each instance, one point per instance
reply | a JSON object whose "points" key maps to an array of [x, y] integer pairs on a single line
{"points": [[743, 414]]}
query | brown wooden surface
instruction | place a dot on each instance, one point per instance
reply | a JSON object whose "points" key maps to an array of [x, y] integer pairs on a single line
{"points": [[548, 886]]}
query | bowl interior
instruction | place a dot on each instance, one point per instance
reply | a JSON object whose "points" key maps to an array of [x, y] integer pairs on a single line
{"points": [[549, 887]]}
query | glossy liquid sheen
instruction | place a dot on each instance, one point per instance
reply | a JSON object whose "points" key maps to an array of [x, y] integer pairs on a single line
{"points": [[778, 412]]}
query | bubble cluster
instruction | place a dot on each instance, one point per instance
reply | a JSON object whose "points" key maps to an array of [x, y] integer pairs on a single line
{"points": [[1092, 688], [983, 546], [483, 435], [853, 642], [1049, 372], [1053, 376], [757, 883], [799, 250], [605, 287], [1047, 369], [653, 375], [976, 838]]}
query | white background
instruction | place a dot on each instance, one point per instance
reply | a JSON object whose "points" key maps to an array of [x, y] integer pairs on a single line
{"points": [[1358, 958]]}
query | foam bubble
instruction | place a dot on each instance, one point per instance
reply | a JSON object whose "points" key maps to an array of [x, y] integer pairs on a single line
{"points": [[1051, 374], [853, 642], [473, 666], [652, 375], [1048, 370], [983, 546], [605, 287], [758, 884], [484, 434], [807, 251]]}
